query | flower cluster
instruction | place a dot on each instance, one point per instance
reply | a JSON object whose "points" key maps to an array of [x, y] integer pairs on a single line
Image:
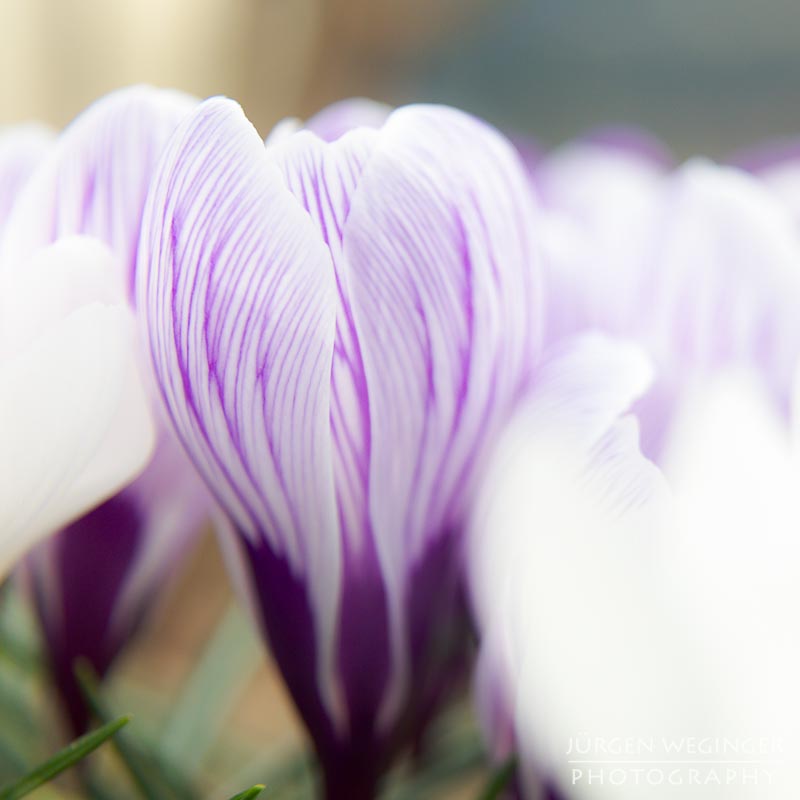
{"points": [[434, 388]]}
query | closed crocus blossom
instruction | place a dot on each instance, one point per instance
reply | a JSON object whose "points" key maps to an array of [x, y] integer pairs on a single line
{"points": [[74, 421], [94, 582], [338, 329], [647, 635], [706, 279]]}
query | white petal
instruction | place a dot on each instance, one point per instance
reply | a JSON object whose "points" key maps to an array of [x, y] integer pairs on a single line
{"points": [[560, 561], [75, 424]]}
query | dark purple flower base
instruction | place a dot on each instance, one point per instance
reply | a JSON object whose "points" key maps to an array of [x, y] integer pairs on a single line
{"points": [[352, 767]]}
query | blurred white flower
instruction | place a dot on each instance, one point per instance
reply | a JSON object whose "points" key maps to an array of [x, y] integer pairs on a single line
{"points": [[638, 639]]}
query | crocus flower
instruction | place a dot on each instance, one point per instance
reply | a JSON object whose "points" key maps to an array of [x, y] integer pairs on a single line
{"points": [[94, 582], [704, 277], [337, 330], [646, 629], [74, 421]]}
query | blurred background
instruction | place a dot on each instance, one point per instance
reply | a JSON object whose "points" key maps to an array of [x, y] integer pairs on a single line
{"points": [[706, 76]]}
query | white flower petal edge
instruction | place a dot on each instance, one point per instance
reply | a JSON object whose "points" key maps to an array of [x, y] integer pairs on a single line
{"points": [[615, 609], [557, 530], [74, 420]]}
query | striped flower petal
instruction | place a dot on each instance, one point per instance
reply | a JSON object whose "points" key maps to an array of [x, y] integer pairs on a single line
{"points": [[93, 181], [338, 328], [238, 288]]}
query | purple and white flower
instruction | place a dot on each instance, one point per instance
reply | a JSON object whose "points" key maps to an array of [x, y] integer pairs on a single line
{"points": [[338, 330], [699, 266], [95, 580]]}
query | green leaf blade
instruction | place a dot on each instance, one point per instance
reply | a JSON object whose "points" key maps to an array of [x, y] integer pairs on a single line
{"points": [[249, 794], [63, 760]]}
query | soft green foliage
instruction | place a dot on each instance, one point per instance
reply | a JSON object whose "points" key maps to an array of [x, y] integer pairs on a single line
{"points": [[63, 760], [185, 747]]}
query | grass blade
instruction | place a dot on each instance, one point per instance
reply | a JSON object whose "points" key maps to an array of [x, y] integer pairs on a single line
{"points": [[63, 760], [249, 794]]}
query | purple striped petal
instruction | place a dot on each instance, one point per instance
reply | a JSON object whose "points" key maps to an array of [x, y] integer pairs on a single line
{"points": [[238, 287], [338, 329], [454, 342], [95, 178], [93, 181]]}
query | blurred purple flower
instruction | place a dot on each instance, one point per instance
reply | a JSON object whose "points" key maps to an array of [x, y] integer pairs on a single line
{"points": [[94, 581], [699, 265], [338, 330], [574, 176]]}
